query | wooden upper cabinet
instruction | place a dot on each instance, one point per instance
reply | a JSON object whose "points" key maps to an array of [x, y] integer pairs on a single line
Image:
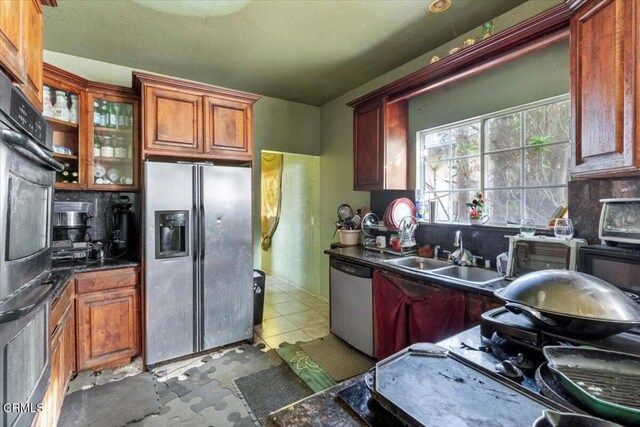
{"points": [[604, 88], [172, 121], [21, 45], [380, 146], [12, 29], [227, 128], [193, 120], [33, 53], [368, 147]]}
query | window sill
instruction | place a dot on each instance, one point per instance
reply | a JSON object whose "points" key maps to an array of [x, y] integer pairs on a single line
{"points": [[510, 229]]}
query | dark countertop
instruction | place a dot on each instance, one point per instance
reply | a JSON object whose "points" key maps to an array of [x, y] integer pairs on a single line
{"points": [[90, 266], [328, 409], [375, 259]]}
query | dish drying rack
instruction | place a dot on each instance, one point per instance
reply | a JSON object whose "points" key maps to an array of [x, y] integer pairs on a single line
{"points": [[406, 233]]}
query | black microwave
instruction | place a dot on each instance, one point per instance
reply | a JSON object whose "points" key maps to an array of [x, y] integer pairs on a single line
{"points": [[618, 266]]}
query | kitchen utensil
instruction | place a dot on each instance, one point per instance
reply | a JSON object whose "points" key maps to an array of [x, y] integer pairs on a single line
{"points": [[369, 223], [422, 385], [550, 387], [71, 214], [563, 229], [566, 419], [345, 213], [572, 303], [607, 382]]}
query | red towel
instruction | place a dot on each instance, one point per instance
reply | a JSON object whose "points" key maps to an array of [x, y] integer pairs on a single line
{"points": [[406, 314]]}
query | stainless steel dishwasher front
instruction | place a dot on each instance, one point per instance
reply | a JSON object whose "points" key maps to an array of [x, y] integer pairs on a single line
{"points": [[352, 304]]}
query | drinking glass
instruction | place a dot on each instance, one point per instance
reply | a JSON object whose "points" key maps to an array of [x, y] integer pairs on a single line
{"points": [[563, 228], [527, 227]]}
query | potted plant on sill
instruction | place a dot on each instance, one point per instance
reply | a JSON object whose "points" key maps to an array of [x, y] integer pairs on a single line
{"points": [[476, 208]]}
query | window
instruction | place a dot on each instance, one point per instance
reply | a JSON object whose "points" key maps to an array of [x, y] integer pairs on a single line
{"points": [[519, 157]]}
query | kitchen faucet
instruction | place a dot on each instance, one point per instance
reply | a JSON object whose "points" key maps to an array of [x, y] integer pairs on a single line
{"points": [[458, 242]]}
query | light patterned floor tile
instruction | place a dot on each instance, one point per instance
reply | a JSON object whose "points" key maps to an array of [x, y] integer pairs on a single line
{"points": [[317, 331], [269, 313], [290, 337], [275, 326], [306, 318], [289, 307], [277, 298]]}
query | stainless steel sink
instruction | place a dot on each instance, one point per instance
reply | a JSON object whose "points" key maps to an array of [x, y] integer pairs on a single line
{"points": [[472, 275], [418, 263]]}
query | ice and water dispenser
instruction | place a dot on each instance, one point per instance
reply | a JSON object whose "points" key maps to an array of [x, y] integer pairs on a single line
{"points": [[172, 234]]}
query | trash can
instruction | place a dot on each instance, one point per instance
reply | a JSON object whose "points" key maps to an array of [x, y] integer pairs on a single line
{"points": [[258, 296]]}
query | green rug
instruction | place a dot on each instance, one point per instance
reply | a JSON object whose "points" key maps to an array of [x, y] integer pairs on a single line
{"points": [[309, 371]]}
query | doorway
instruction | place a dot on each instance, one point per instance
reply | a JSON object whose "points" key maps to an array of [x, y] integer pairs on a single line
{"points": [[294, 251]]}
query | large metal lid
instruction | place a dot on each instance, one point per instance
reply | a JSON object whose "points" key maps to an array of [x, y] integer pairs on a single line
{"points": [[571, 293]]}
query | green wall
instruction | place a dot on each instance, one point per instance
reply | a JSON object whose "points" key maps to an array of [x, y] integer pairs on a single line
{"points": [[336, 130], [279, 125], [537, 76], [293, 254]]}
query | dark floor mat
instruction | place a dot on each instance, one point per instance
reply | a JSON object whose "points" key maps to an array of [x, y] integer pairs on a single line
{"points": [[337, 358], [269, 390], [113, 404]]}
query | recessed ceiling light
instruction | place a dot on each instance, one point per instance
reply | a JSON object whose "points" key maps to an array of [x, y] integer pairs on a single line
{"points": [[439, 6], [196, 8]]}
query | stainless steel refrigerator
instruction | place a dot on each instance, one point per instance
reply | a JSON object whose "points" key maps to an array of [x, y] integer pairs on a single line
{"points": [[198, 258]]}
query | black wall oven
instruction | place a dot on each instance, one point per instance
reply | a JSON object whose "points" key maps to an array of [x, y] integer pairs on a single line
{"points": [[27, 172]]}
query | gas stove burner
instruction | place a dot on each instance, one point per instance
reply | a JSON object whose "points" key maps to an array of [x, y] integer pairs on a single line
{"points": [[518, 330]]}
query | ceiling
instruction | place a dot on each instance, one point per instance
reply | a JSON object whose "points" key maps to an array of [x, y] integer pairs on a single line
{"points": [[306, 51]]}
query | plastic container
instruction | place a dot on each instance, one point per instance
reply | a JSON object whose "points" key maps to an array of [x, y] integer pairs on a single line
{"points": [[258, 296], [349, 237]]}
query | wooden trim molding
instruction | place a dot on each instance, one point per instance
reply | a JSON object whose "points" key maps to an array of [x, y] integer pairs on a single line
{"points": [[140, 79], [547, 23], [56, 73]]}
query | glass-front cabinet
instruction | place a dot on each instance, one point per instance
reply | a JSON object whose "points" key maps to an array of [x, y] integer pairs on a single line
{"points": [[113, 142], [62, 105]]}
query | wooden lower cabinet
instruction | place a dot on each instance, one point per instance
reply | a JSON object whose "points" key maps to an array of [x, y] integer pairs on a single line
{"points": [[108, 319], [475, 305], [62, 357]]}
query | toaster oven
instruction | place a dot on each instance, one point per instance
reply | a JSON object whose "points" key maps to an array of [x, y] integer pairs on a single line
{"points": [[529, 254], [620, 221]]}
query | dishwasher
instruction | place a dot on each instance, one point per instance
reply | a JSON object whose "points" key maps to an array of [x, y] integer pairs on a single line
{"points": [[351, 299]]}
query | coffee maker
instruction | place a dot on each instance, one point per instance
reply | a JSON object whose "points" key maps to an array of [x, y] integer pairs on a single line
{"points": [[125, 233]]}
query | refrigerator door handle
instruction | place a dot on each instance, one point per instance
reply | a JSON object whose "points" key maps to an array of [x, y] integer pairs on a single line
{"points": [[202, 218], [197, 265]]}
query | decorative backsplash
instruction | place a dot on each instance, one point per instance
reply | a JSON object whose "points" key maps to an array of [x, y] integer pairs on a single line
{"points": [[101, 201]]}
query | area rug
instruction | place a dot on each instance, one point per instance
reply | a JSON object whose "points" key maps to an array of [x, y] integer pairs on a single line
{"points": [[113, 404], [308, 370], [271, 389], [337, 358]]}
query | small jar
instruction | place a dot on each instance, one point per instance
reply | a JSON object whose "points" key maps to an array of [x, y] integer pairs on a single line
{"points": [[47, 106], [60, 109], [73, 111], [106, 150]]}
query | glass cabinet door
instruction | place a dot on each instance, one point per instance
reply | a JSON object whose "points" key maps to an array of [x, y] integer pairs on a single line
{"points": [[112, 150], [61, 109]]}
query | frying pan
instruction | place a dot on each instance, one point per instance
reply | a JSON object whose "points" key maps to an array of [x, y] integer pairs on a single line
{"points": [[607, 382]]}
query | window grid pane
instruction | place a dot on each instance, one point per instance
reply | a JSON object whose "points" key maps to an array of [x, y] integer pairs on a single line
{"points": [[523, 172]]}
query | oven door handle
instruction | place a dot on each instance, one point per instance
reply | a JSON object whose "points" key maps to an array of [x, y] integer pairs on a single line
{"points": [[21, 142]]}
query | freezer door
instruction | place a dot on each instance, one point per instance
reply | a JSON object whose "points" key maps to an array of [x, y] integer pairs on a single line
{"points": [[227, 274], [169, 280]]}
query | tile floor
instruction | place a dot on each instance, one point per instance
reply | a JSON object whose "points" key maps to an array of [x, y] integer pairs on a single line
{"points": [[290, 314]]}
